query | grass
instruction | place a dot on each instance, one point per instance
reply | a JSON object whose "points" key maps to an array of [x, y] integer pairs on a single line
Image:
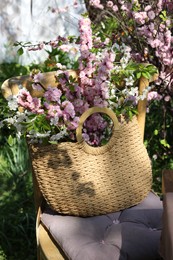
{"points": [[17, 212], [17, 218]]}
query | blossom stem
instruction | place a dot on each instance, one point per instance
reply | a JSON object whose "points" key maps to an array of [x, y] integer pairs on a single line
{"points": [[41, 85]]}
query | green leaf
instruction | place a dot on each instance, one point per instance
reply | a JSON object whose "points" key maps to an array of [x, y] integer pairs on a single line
{"points": [[156, 132], [16, 44], [130, 114], [151, 69], [164, 143], [53, 142], [163, 15], [138, 75], [145, 143], [146, 75], [103, 25], [72, 88], [10, 140], [20, 51]]}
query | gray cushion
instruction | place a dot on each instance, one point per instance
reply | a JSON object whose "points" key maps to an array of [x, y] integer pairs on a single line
{"points": [[131, 234]]}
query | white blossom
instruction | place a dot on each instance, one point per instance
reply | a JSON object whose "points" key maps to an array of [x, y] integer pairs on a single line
{"points": [[34, 134], [130, 92], [129, 81], [58, 136], [12, 102], [10, 120], [54, 121], [154, 156]]}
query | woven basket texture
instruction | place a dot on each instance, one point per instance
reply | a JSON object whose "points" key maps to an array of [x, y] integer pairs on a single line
{"points": [[78, 179]]}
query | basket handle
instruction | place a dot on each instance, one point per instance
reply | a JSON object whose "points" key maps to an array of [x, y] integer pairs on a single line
{"points": [[91, 111]]}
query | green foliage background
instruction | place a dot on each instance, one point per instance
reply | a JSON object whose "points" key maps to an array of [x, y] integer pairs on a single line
{"points": [[17, 214]]}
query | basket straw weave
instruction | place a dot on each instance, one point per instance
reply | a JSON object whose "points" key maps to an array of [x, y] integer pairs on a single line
{"points": [[78, 179]]}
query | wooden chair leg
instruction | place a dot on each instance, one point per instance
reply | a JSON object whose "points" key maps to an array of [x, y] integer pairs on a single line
{"points": [[166, 247]]}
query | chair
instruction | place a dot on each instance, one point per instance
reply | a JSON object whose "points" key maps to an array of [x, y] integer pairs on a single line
{"points": [[166, 248], [133, 233]]}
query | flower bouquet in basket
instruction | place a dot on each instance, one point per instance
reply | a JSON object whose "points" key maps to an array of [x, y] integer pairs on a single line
{"points": [[104, 75]]}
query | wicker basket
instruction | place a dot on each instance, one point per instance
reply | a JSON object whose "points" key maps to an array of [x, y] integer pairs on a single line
{"points": [[78, 179]]}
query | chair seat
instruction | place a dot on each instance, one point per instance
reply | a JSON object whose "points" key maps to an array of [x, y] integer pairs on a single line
{"points": [[132, 234]]}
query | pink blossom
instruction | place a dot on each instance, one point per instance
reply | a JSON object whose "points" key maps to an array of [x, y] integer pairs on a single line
{"points": [[153, 95], [159, 5], [89, 71], [53, 94], [125, 7], [24, 98], [84, 47], [154, 43], [65, 47], [121, 2], [151, 26], [91, 123], [37, 86], [86, 137], [162, 27], [68, 110], [112, 56], [53, 110], [85, 81], [99, 102], [96, 4], [78, 103], [85, 34], [80, 106], [82, 74], [95, 122], [115, 8], [109, 65], [37, 77], [90, 92], [140, 17], [85, 54], [167, 98], [28, 102], [147, 8], [72, 125], [109, 4], [107, 40], [37, 106], [54, 44], [105, 94], [168, 37], [151, 15]]}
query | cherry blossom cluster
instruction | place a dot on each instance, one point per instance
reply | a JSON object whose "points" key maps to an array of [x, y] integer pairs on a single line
{"points": [[51, 108], [147, 28], [92, 88]]}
